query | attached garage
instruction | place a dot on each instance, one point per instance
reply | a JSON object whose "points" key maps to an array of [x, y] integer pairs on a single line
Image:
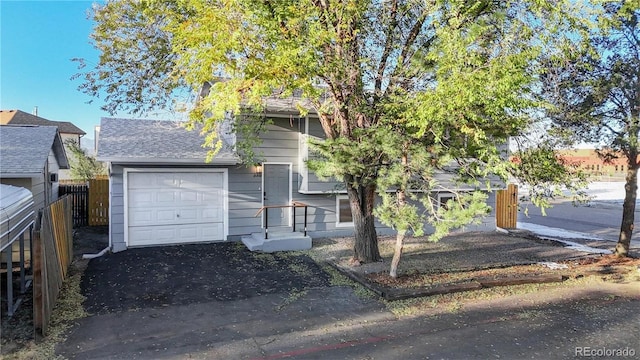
{"points": [[175, 206]]}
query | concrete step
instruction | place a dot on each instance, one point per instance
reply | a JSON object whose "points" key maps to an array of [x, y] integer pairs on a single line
{"points": [[277, 241], [252, 243]]}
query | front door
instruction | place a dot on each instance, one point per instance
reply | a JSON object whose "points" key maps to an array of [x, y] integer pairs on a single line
{"points": [[277, 191]]}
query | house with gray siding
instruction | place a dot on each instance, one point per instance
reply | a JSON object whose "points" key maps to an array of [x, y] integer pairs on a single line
{"points": [[67, 130], [32, 157], [163, 191]]}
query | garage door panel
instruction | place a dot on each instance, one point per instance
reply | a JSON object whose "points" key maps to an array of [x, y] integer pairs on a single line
{"points": [[212, 195], [140, 198], [140, 217], [212, 214], [174, 234], [169, 208], [188, 197], [201, 180], [177, 198], [190, 214], [151, 180], [186, 215], [165, 197]]}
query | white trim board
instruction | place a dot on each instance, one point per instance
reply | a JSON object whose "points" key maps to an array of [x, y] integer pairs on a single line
{"points": [[125, 186]]}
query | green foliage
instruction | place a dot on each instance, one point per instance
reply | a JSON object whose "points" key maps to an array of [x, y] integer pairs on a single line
{"points": [[548, 175], [593, 87], [442, 84], [594, 91], [83, 166], [136, 71]]}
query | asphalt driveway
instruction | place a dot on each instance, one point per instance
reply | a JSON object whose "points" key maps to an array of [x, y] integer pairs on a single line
{"points": [[179, 301], [189, 274]]}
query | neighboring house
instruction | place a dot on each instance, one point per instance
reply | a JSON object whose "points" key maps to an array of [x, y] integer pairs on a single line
{"points": [[66, 129], [163, 191], [31, 157], [592, 164]]}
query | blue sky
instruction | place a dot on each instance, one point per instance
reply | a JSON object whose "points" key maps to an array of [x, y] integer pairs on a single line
{"points": [[38, 39]]}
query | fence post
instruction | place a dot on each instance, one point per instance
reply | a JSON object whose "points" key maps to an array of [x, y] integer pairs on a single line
{"points": [[38, 282]]}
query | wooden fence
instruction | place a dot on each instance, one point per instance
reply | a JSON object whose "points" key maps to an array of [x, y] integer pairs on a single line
{"points": [[52, 252], [507, 207], [79, 202], [90, 201], [98, 202]]}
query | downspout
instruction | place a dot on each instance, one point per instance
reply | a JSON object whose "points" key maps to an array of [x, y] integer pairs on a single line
{"points": [[93, 256]]}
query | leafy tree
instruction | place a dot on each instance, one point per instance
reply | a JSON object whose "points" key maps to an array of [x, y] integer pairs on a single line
{"points": [[83, 166], [446, 76], [596, 93]]}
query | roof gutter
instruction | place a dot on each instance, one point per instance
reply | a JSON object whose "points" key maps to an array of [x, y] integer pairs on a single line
{"points": [[158, 161], [20, 175]]}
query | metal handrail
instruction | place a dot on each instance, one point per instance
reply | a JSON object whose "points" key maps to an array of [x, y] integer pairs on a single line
{"points": [[294, 205]]}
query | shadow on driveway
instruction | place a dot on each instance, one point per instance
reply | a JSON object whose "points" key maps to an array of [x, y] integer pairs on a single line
{"points": [[188, 274]]}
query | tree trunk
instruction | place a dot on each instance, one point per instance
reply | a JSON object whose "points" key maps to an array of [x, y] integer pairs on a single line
{"points": [[401, 197], [628, 208], [397, 253], [361, 199]]}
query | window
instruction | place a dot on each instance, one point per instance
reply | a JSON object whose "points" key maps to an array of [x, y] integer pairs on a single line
{"points": [[443, 198], [343, 211]]}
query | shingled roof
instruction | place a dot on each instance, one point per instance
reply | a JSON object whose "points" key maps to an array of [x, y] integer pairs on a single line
{"points": [[154, 142], [18, 117], [24, 150]]}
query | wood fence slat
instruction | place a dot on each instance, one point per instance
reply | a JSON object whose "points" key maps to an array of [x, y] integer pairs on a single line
{"points": [[38, 311], [98, 202], [507, 207], [53, 249]]}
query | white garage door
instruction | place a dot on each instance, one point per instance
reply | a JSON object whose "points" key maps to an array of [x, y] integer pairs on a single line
{"points": [[175, 207]]}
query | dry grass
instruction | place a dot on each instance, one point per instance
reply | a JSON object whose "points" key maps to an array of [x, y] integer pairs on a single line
{"points": [[68, 308], [466, 257], [454, 302]]}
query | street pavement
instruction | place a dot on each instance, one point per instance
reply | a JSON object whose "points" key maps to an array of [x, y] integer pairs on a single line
{"points": [[332, 323], [303, 316], [600, 217]]}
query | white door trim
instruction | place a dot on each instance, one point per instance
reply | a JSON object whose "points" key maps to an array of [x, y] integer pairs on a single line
{"points": [[290, 186], [125, 190]]}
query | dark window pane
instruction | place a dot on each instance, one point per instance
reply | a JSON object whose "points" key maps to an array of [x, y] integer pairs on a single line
{"points": [[345, 211]]}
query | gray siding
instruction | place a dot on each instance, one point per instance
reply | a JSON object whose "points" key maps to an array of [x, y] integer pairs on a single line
{"points": [[245, 199], [53, 168], [116, 208], [309, 182], [321, 214], [281, 144]]}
